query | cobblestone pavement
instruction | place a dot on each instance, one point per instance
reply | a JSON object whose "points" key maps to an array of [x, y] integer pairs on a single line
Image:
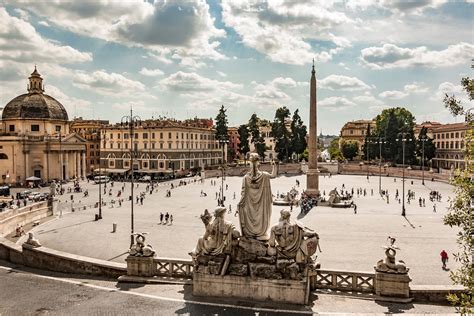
{"points": [[26, 291], [348, 241]]}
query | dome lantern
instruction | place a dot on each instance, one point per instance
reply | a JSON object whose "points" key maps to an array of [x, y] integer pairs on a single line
{"points": [[36, 82]]}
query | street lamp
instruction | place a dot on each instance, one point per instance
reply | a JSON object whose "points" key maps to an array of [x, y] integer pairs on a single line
{"points": [[223, 142], [423, 140], [131, 120], [100, 175], [380, 141], [367, 155], [402, 137]]}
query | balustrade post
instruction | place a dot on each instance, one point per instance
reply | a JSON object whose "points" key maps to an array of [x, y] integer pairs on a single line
{"points": [[354, 281]]}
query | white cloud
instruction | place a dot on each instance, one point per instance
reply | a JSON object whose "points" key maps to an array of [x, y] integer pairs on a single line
{"points": [[74, 106], [339, 82], [336, 103], [450, 89], [391, 56], [20, 42], [151, 72], [185, 28], [43, 23], [396, 6], [283, 30], [107, 83], [393, 95], [192, 82], [222, 74], [415, 88]]}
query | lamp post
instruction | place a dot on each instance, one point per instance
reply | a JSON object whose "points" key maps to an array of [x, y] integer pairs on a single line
{"points": [[423, 140], [131, 120], [367, 155], [402, 137], [380, 141], [100, 174], [62, 163], [223, 142]]}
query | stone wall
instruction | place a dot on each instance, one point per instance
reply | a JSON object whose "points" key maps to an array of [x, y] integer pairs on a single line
{"points": [[22, 216]]}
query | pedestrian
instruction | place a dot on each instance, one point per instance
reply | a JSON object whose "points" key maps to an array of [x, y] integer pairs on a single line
{"points": [[444, 258], [161, 218], [167, 217], [434, 208], [355, 208], [171, 219], [234, 195]]}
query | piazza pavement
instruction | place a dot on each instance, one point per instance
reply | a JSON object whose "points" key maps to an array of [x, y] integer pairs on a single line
{"points": [[348, 241]]}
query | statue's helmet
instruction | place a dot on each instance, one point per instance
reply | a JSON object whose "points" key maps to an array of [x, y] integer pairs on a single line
{"points": [[253, 157], [220, 211], [285, 214]]}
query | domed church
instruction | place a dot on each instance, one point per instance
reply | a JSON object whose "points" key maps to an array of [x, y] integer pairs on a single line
{"points": [[35, 140]]}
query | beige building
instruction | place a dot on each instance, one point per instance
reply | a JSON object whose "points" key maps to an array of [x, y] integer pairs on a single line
{"points": [[160, 147], [89, 130], [449, 140], [430, 126], [356, 130], [35, 139]]}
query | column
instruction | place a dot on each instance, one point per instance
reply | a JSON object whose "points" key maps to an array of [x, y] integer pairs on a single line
{"points": [[61, 164], [78, 164], [84, 172], [66, 164], [46, 162], [27, 167]]}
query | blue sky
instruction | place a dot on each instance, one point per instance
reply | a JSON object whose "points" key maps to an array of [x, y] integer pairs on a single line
{"points": [[185, 58]]}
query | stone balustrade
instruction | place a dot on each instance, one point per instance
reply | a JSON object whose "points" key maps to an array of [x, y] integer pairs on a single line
{"points": [[343, 281], [174, 267]]}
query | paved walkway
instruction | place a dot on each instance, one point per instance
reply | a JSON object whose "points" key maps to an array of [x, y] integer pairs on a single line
{"points": [[26, 291], [348, 241]]}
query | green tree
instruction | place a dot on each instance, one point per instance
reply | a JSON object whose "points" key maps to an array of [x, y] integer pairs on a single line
{"points": [[349, 149], [453, 104], [256, 136], [334, 150], [368, 143], [244, 146], [429, 146], [461, 212], [280, 133], [221, 124], [298, 142], [389, 125]]}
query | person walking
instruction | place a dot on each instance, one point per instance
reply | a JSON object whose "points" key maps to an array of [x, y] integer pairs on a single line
{"points": [[161, 218], [444, 258], [171, 219], [434, 208]]}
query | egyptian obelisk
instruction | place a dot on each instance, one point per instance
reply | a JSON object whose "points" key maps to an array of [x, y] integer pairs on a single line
{"points": [[312, 175]]}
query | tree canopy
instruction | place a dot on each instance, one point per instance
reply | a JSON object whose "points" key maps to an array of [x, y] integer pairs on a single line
{"points": [[281, 134], [221, 124]]}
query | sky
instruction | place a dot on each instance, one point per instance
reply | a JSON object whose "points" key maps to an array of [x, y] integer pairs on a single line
{"points": [[184, 59]]}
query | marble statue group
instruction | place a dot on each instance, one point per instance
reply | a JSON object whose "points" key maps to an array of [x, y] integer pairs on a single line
{"points": [[284, 250]]}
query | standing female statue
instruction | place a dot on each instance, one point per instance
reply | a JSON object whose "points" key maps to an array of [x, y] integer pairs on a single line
{"points": [[255, 206]]}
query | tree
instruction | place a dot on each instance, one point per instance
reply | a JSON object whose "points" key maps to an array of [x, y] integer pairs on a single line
{"points": [[389, 124], [334, 150], [349, 149], [367, 143], [221, 124], [244, 146], [453, 104], [298, 142], [429, 146], [280, 133], [461, 211], [257, 138]]}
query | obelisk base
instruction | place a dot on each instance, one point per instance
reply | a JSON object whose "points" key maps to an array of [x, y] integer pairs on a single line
{"points": [[312, 183]]}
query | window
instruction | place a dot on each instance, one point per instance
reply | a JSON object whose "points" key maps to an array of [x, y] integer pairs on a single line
{"points": [[153, 145], [182, 135], [144, 145], [169, 146], [125, 136], [161, 145], [169, 135], [91, 146], [118, 144], [136, 136], [111, 145], [145, 164], [35, 128], [452, 135], [135, 146], [192, 136], [118, 135], [145, 135], [126, 145], [161, 135], [153, 135], [58, 128], [12, 128], [177, 135], [161, 165], [111, 136]]}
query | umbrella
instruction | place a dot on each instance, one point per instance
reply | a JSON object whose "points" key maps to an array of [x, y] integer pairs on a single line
{"points": [[33, 179]]}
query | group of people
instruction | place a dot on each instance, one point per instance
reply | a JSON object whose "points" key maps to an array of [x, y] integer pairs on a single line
{"points": [[166, 219]]}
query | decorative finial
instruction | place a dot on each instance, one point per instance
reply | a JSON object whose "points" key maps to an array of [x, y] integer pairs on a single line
{"points": [[313, 71]]}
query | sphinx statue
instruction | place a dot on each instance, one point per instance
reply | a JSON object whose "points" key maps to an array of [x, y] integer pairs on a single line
{"points": [[292, 240], [32, 240], [390, 264], [139, 248], [218, 236]]}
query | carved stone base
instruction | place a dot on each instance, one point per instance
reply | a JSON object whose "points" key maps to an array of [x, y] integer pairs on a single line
{"points": [[390, 285], [140, 266], [258, 289]]}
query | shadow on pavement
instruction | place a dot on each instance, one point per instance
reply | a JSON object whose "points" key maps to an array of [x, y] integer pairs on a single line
{"points": [[395, 308], [411, 225], [118, 256], [128, 286], [40, 232]]}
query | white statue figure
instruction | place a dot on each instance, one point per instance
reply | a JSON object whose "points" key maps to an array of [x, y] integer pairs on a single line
{"points": [[292, 241], [139, 248], [218, 236], [32, 240], [390, 264], [255, 206]]}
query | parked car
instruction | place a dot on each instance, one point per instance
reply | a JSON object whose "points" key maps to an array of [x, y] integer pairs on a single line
{"points": [[145, 179], [34, 196], [23, 194]]}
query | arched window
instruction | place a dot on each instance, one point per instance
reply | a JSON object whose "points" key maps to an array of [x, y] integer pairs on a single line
{"points": [[3, 156]]}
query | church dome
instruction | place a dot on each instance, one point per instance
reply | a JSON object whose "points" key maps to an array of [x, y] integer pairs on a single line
{"points": [[35, 104]]}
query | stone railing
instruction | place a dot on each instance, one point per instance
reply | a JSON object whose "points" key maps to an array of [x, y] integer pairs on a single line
{"points": [[10, 219], [343, 281], [176, 268]]}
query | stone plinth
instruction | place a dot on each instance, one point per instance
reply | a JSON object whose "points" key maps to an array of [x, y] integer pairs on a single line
{"points": [[312, 183], [258, 289], [140, 266], [392, 285]]}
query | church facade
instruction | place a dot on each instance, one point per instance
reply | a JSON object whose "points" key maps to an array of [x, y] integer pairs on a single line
{"points": [[35, 140]]}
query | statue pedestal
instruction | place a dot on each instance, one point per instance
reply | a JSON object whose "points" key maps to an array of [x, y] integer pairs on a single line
{"points": [[258, 289], [140, 266], [393, 287]]}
